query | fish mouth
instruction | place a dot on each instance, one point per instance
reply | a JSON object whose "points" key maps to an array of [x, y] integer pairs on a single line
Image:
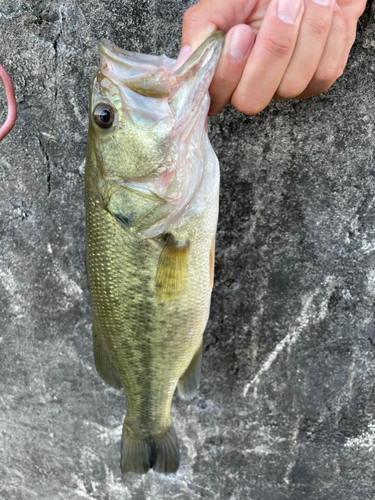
{"points": [[215, 39], [148, 75], [144, 74]]}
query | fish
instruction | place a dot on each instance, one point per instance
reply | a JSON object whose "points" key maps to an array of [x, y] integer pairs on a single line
{"points": [[152, 190]]}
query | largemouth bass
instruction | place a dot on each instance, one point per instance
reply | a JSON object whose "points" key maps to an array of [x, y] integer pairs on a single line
{"points": [[152, 186]]}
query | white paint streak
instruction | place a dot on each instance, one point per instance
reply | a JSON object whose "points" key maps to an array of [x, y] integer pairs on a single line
{"points": [[5, 163], [295, 444], [371, 283], [365, 441], [17, 303], [49, 136], [73, 292], [80, 118], [81, 168], [106, 434], [305, 318], [261, 449], [80, 489], [288, 340]]}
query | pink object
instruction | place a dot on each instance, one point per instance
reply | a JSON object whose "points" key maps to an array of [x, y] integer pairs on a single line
{"points": [[12, 105]]}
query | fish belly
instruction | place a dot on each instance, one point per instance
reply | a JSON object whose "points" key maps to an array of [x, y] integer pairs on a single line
{"points": [[150, 343]]}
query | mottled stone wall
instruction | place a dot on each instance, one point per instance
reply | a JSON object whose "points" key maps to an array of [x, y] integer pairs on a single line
{"points": [[286, 408]]}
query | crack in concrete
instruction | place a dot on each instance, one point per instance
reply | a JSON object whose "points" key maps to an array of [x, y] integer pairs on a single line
{"points": [[46, 156], [56, 49]]}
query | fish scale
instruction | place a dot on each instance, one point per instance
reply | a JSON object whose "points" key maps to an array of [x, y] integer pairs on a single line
{"points": [[149, 258], [116, 279]]}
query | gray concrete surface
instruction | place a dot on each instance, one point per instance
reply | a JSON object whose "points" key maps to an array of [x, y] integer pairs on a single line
{"points": [[286, 409]]}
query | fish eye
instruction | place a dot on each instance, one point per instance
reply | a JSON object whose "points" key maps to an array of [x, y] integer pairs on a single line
{"points": [[104, 115]]}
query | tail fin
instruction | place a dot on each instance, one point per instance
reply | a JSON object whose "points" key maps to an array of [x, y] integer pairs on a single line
{"points": [[159, 452]]}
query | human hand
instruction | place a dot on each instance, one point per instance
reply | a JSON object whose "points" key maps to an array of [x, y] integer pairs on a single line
{"points": [[278, 49]]}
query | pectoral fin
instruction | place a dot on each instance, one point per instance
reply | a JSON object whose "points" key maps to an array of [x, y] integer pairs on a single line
{"points": [[103, 364], [173, 270]]}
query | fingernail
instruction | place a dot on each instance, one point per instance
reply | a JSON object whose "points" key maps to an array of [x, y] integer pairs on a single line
{"points": [[183, 56], [288, 10], [336, 7], [241, 43]]}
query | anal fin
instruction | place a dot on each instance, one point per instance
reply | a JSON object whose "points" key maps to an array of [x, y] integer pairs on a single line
{"points": [[103, 363], [189, 382]]}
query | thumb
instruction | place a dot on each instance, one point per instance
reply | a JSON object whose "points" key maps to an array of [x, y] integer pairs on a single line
{"points": [[197, 26]]}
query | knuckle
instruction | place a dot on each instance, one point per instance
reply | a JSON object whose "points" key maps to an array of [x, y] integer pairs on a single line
{"points": [[318, 26], [190, 16], [291, 88], [359, 8], [326, 75], [341, 33], [351, 39], [250, 106], [277, 45]]}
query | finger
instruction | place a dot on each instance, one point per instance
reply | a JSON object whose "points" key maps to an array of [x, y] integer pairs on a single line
{"points": [[352, 11], [332, 62], [312, 38], [196, 28], [269, 57], [203, 18], [237, 46]]}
